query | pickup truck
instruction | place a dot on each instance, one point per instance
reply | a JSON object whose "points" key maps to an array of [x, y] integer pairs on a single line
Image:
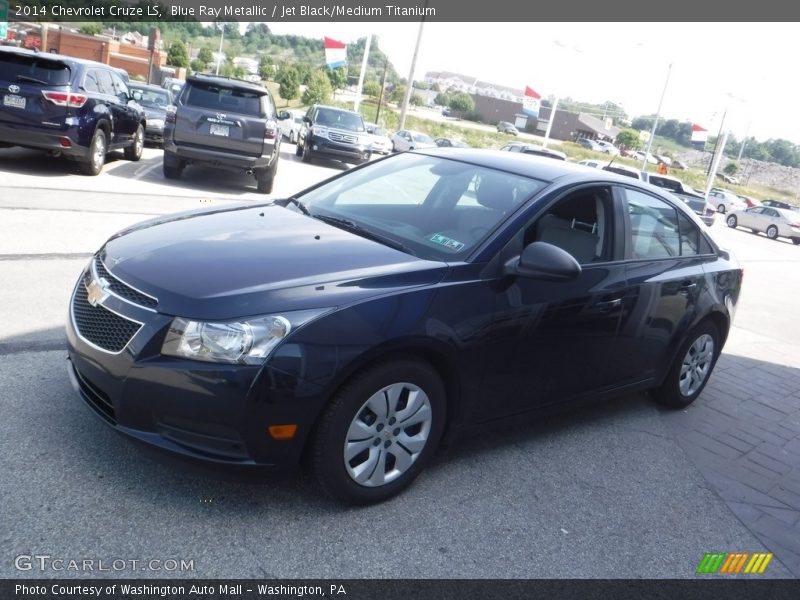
{"points": [[695, 201]]}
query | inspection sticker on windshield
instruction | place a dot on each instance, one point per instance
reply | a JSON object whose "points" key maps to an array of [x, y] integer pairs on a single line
{"points": [[449, 243]]}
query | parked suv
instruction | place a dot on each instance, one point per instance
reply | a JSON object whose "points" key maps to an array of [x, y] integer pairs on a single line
{"points": [[74, 108], [224, 123], [334, 133]]}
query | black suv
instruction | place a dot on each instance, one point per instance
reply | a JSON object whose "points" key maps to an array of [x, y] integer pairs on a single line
{"points": [[225, 123], [78, 109], [334, 133]]}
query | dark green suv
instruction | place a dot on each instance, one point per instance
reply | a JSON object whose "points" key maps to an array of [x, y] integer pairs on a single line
{"points": [[225, 123]]}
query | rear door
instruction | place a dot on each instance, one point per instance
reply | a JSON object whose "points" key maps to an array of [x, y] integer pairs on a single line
{"points": [[217, 116], [24, 80]]}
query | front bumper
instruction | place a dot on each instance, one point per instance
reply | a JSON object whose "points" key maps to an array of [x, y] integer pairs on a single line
{"points": [[214, 413], [355, 153]]}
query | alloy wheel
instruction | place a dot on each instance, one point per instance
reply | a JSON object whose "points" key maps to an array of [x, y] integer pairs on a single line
{"points": [[696, 365]]}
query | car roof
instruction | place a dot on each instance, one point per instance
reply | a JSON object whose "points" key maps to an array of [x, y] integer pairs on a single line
{"points": [[336, 108]]}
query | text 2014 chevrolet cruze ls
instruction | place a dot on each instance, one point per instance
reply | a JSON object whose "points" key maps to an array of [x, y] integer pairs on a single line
{"points": [[359, 322]]}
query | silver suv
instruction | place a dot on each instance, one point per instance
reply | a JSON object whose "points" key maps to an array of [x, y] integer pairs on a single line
{"points": [[224, 123]]}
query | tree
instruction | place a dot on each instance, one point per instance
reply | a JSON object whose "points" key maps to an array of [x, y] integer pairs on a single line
{"points": [[91, 29], [338, 78], [461, 103], [198, 66], [318, 89], [290, 84], [372, 88], [629, 138], [442, 99], [205, 55], [731, 169], [398, 93], [266, 69], [177, 56], [417, 100]]}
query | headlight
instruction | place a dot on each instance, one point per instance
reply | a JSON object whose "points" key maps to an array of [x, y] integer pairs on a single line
{"points": [[320, 131], [248, 341]]}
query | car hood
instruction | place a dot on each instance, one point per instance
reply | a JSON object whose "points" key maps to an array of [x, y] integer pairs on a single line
{"points": [[234, 262]]}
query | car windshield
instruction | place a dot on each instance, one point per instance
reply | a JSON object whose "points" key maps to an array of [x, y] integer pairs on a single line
{"points": [[153, 98], [340, 119], [431, 207]]}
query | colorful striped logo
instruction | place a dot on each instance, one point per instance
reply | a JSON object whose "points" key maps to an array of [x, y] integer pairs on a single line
{"points": [[733, 563]]}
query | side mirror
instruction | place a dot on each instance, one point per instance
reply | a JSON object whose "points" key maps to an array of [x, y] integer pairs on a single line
{"points": [[541, 260], [306, 120], [283, 115]]}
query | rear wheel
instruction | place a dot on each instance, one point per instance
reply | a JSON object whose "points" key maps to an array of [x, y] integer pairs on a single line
{"points": [[796, 241], [97, 154], [379, 431], [134, 151], [292, 138], [731, 221], [172, 167], [266, 179], [772, 232], [689, 374], [721, 209]]}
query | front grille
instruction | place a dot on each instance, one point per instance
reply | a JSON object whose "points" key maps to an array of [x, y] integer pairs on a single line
{"points": [[121, 289], [342, 137], [100, 326], [95, 397]]}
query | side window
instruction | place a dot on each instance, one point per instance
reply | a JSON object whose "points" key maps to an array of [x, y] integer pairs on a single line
{"points": [[90, 82], [579, 223], [119, 86], [659, 230], [104, 82]]}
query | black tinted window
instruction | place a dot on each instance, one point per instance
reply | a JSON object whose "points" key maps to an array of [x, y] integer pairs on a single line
{"points": [[224, 99], [32, 69], [691, 238], [654, 226], [341, 119]]}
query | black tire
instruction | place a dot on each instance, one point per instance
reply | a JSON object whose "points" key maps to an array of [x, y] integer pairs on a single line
{"points": [[172, 167], [134, 151], [292, 138], [266, 179], [721, 209], [796, 241], [349, 406], [732, 221], [671, 393], [772, 232], [306, 152], [97, 154], [298, 151]]}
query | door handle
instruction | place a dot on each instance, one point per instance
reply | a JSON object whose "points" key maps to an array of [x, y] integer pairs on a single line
{"points": [[608, 305], [688, 286]]}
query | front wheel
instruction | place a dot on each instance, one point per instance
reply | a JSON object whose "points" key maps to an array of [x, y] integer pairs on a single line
{"points": [[731, 221], [796, 241], [292, 138], [689, 374], [379, 431], [772, 232], [306, 152]]}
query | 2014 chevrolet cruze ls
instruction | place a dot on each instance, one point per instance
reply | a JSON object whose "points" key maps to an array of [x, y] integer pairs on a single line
{"points": [[360, 321]]}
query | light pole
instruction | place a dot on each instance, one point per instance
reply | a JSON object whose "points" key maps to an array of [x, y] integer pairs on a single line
{"points": [[221, 39], [410, 84]]}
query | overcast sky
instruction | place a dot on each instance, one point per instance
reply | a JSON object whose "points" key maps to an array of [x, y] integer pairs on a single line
{"points": [[747, 68]]}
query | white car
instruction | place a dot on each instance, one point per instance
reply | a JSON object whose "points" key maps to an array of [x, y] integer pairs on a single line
{"points": [[725, 201], [775, 222], [381, 142], [405, 139], [608, 147], [595, 164], [290, 124]]}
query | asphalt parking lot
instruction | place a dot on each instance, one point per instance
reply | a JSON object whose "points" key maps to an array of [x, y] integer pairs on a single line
{"points": [[622, 489]]}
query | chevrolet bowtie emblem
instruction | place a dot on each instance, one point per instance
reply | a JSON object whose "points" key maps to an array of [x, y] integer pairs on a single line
{"points": [[96, 291]]}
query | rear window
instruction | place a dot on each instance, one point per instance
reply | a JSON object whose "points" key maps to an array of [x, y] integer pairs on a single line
{"points": [[224, 99], [33, 69]]}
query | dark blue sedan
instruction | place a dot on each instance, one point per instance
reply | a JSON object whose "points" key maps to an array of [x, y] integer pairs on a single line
{"points": [[360, 322]]}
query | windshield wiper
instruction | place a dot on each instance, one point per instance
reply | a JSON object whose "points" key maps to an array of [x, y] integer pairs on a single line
{"points": [[30, 79], [354, 227], [297, 203]]}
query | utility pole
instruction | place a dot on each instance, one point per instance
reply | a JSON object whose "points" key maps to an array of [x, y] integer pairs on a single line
{"points": [[744, 143], [363, 71], [550, 122], [655, 123], [221, 38], [410, 84], [380, 98]]}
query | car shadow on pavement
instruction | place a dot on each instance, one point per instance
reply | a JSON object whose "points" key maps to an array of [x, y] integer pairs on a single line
{"points": [[42, 164]]}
